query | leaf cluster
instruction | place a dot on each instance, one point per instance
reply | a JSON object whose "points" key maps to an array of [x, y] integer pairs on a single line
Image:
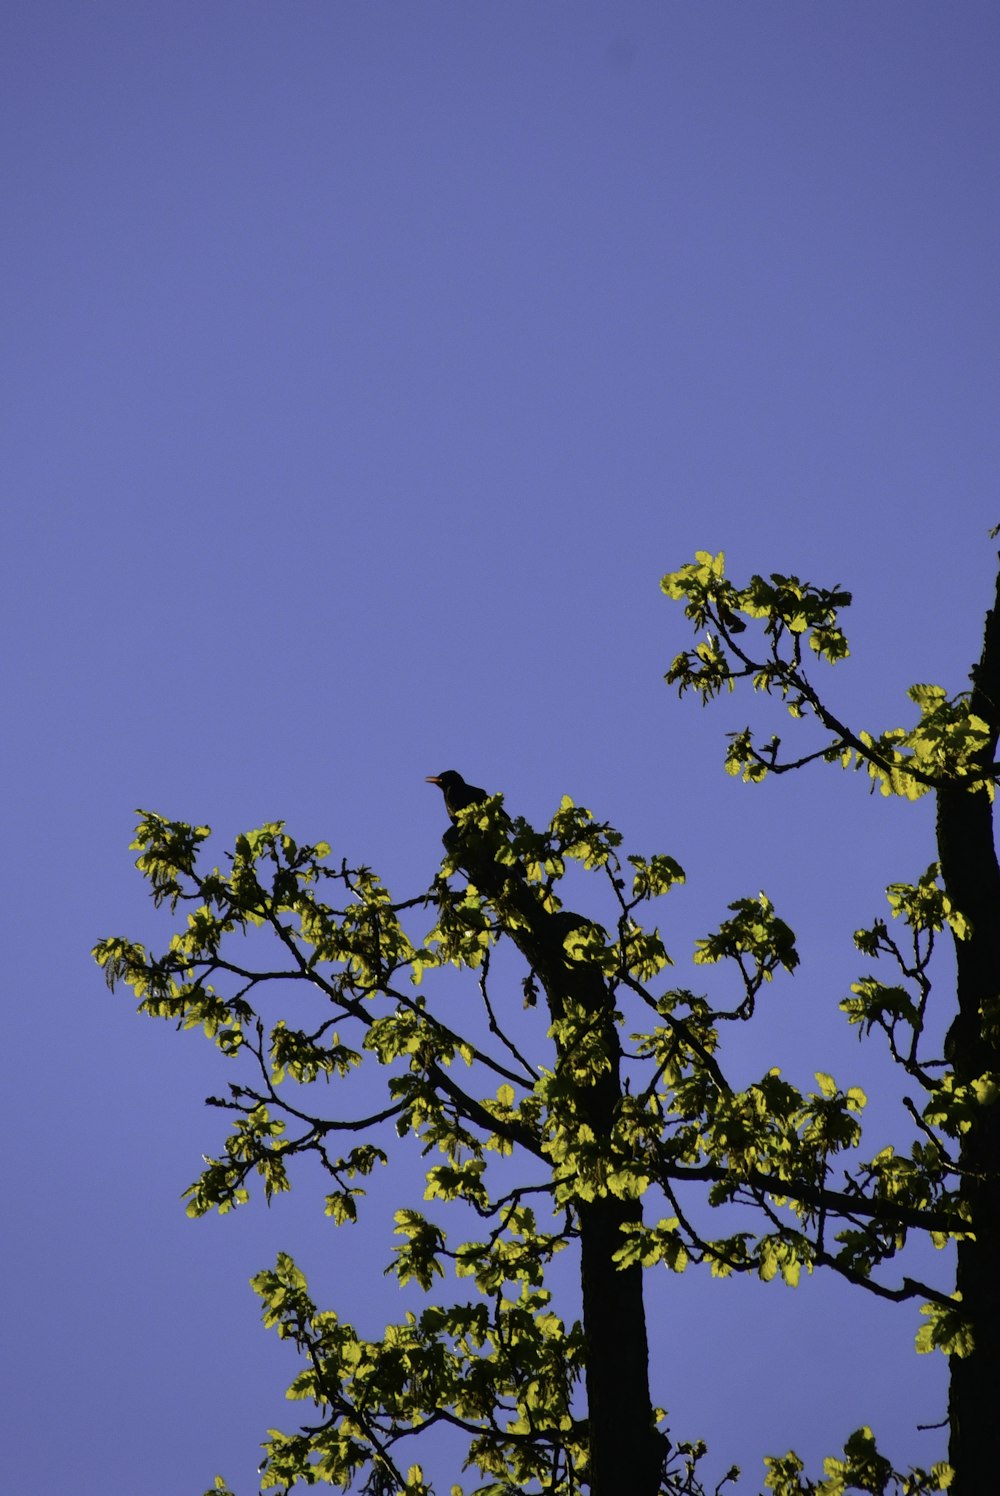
{"points": [[796, 623], [503, 1130]]}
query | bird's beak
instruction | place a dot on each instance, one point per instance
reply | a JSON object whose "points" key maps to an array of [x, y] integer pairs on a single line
{"points": [[432, 779]]}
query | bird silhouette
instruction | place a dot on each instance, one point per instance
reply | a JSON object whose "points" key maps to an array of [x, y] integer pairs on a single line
{"points": [[457, 794]]}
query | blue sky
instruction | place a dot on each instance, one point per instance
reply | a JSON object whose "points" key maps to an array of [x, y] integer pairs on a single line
{"points": [[364, 369]]}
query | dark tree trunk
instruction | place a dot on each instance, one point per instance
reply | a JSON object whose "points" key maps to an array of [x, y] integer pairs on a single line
{"points": [[626, 1451], [971, 876]]}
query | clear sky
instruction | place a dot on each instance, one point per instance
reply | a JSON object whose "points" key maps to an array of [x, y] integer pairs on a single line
{"points": [[365, 366]]}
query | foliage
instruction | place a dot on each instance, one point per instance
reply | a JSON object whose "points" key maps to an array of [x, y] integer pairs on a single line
{"points": [[946, 742], [861, 1469], [504, 1367], [341, 1036]]}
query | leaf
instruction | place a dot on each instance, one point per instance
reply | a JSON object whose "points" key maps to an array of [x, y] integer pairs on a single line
{"points": [[947, 1329]]}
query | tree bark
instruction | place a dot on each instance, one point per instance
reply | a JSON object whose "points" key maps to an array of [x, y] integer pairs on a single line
{"points": [[971, 876], [626, 1451]]}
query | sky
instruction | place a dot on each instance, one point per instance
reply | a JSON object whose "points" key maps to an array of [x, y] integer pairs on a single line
{"points": [[364, 368]]}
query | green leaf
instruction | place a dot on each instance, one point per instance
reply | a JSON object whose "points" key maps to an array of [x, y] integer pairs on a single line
{"points": [[947, 1329]]}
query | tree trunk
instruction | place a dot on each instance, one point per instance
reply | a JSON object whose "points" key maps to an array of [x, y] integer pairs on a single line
{"points": [[626, 1451], [971, 876]]}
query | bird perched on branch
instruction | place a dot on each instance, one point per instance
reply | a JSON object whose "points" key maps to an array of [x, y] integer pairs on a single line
{"points": [[457, 794]]}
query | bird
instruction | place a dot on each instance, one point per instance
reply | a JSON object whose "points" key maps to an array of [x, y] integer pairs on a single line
{"points": [[457, 794]]}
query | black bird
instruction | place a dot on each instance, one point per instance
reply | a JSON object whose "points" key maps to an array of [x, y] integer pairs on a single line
{"points": [[457, 794]]}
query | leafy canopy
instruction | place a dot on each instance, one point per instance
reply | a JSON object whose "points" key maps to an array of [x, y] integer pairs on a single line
{"points": [[320, 992]]}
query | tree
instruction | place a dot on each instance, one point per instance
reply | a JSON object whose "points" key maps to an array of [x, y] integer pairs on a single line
{"points": [[951, 753], [562, 1127]]}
